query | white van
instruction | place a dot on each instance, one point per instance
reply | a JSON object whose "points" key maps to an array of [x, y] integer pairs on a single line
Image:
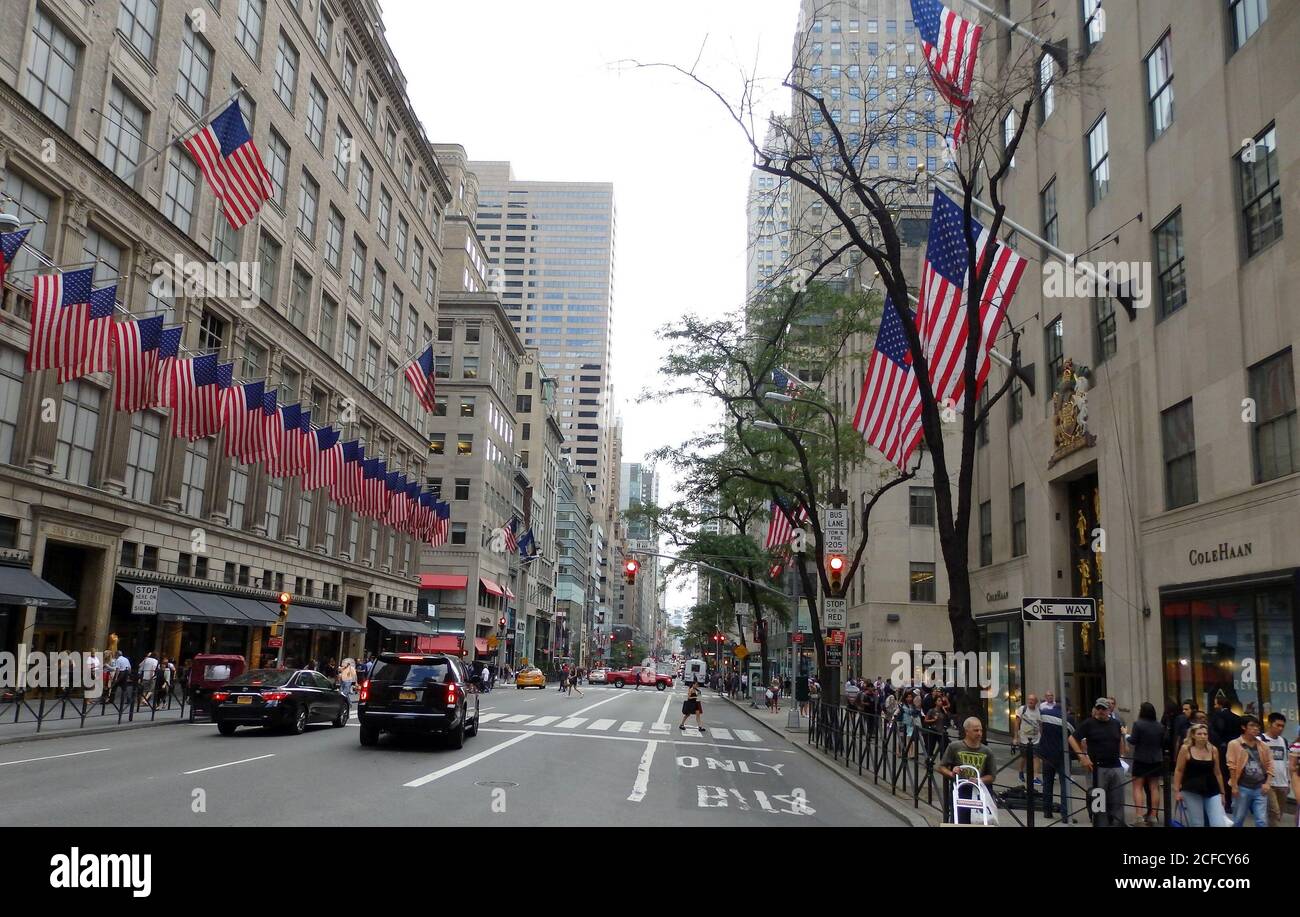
{"points": [[697, 670]]}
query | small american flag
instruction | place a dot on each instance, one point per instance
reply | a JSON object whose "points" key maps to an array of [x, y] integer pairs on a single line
{"points": [[326, 460], [53, 295], [9, 245], [442, 523], [941, 315], [889, 407], [780, 528], [94, 340], [135, 362], [242, 421], [192, 380], [230, 162], [512, 543], [420, 375], [950, 45]]}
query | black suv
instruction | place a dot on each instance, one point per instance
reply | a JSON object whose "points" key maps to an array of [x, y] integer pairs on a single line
{"points": [[417, 692]]}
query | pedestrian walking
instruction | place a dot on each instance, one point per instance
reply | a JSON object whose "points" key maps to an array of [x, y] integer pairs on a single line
{"points": [[485, 676], [693, 706], [1027, 730], [163, 683], [1279, 780], [1249, 771], [1147, 739], [814, 694], [1098, 743], [573, 685], [1225, 727], [347, 676], [969, 752], [935, 723], [1199, 787], [1054, 729]]}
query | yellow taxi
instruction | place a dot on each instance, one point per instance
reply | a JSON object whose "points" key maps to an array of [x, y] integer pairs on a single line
{"points": [[530, 677]]}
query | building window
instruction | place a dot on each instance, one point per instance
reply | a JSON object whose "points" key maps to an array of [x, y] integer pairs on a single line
{"points": [[316, 106], [334, 240], [1179, 438], [395, 306], [1054, 352], [467, 406], [357, 274], [349, 74], [445, 331], [1160, 86], [351, 336], [365, 178], [1047, 204], [124, 129], [286, 71], [274, 501], [248, 30], [194, 477], [308, 201], [1046, 86], [74, 451], [329, 315], [437, 443], [920, 506], [278, 166], [1099, 160], [300, 297], [1261, 196], [1015, 401], [442, 367], [1019, 526], [1106, 340], [1094, 22], [236, 497], [439, 406], [212, 331], [324, 30], [12, 371], [458, 533], [130, 554], [150, 560], [1008, 132], [922, 583], [268, 256], [469, 367], [1247, 17], [342, 153], [1276, 439], [142, 455], [179, 189], [254, 360], [331, 526], [1171, 276], [304, 517], [390, 378], [137, 20], [462, 489], [372, 364], [378, 283], [465, 444], [986, 533], [195, 72], [226, 244], [472, 331], [52, 69]]}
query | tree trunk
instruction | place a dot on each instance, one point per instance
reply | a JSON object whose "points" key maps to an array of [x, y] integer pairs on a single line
{"points": [[967, 700]]}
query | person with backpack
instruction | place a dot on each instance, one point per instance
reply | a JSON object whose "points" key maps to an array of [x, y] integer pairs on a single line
{"points": [[1249, 769]]}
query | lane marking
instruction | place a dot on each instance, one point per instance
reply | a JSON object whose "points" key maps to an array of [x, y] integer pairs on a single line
{"points": [[721, 733], [544, 720], [518, 718], [227, 764], [460, 765], [618, 738], [602, 725], [660, 728], [71, 754], [664, 711], [489, 717], [573, 722], [746, 735], [631, 726], [643, 772], [598, 703]]}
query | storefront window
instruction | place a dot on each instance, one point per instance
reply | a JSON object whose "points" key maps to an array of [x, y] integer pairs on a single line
{"points": [[1001, 641]]}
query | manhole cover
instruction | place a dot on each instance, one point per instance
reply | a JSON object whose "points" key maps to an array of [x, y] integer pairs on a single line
{"points": [[495, 783]]}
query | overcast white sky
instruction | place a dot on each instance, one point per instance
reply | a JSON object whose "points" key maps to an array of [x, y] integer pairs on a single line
{"points": [[540, 84]]}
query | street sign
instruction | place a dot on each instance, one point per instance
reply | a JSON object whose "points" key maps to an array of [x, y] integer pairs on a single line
{"points": [[835, 613], [274, 643], [742, 611], [836, 530], [740, 652], [835, 636], [798, 638], [145, 601], [834, 655], [1068, 608]]}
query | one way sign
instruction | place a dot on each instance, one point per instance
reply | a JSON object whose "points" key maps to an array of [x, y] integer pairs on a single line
{"points": [[1069, 608]]}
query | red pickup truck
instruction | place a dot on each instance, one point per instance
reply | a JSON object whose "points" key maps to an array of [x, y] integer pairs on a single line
{"points": [[638, 674]]}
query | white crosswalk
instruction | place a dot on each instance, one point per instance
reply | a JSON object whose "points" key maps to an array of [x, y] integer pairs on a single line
{"points": [[633, 727]]}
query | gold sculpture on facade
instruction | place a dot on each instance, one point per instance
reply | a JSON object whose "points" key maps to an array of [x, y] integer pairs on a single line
{"points": [[1070, 412]]}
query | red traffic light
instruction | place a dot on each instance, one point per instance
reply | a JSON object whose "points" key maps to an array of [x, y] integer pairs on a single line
{"points": [[836, 563], [501, 623]]}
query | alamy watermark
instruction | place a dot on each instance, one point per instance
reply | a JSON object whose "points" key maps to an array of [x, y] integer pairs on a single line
{"points": [[25, 670], [947, 670], [237, 281], [1129, 280]]}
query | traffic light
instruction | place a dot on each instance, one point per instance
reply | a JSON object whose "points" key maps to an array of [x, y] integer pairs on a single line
{"points": [[501, 623], [277, 629], [630, 566], [835, 565]]}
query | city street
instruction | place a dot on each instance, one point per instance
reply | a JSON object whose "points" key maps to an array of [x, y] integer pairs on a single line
{"points": [[614, 757]]}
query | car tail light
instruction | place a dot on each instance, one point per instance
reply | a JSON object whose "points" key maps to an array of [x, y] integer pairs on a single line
{"points": [[275, 695], [406, 657], [220, 696], [365, 691], [451, 695]]}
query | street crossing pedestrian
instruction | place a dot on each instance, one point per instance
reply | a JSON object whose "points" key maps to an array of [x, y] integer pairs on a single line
{"points": [[691, 706]]}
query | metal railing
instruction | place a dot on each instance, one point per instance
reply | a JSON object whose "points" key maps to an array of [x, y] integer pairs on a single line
{"points": [[121, 702]]}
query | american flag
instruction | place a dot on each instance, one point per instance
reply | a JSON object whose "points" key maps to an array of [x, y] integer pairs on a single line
{"points": [[394, 485], [194, 381], [135, 362], [231, 164], [950, 45], [889, 408], [169, 348], [420, 375], [780, 530], [415, 513], [53, 295], [9, 244], [346, 489], [282, 441], [305, 444], [784, 381], [95, 338], [512, 543], [442, 523], [326, 463], [372, 486], [242, 421], [941, 316]]}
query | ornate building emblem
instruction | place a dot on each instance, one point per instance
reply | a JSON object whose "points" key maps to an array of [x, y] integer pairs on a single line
{"points": [[1070, 412]]}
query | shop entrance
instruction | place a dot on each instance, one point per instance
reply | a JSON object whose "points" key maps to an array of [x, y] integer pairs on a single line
{"points": [[64, 567], [1088, 679]]}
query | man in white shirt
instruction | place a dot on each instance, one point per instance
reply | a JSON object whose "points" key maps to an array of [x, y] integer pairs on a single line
{"points": [[121, 674], [851, 691], [148, 672], [1280, 775]]}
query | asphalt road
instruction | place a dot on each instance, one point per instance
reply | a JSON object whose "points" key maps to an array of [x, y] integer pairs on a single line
{"points": [[613, 757]]}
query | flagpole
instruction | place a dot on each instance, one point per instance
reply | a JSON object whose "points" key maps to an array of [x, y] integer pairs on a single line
{"points": [[166, 146], [1056, 49]]}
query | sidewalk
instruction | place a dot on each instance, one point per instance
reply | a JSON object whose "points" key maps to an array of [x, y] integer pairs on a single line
{"points": [[99, 720]]}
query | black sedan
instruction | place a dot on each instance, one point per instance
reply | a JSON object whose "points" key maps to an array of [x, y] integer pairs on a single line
{"points": [[279, 698]]}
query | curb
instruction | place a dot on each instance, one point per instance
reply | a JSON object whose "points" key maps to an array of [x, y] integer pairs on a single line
{"points": [[86, 731], [906, 814]]}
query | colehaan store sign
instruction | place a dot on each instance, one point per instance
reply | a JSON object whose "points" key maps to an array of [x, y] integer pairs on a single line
{"points": [[1225, 551]]}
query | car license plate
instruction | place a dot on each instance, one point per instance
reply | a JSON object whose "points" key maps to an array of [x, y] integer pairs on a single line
{"points": [[408, 695], [245, 699]]}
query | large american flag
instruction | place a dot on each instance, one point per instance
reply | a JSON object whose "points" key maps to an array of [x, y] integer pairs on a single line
{"points": [[93, 341], [60, 303], [512, 543], [187, 398], [780, 530], [326, 464], [941, 316], [305, 443], [135, 362], [441, 524], [245, 430], [9, 245], [283, 458], [950, 44], [420, 375], [889, 407], [346, 490], [169, 348], [231, 164]]}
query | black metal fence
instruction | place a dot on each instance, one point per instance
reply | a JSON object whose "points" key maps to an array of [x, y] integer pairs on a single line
{"points": [[903, 758], [123, 702]]}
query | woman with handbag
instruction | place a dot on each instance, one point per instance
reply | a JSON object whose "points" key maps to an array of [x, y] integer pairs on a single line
{"points": [[691, 706], [1198, 781]]}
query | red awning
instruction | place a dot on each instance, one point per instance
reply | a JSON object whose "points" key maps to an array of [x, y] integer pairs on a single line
{"points": [[443, 643], [509, 594], [480, 646], [490, 586], [442, 581]]}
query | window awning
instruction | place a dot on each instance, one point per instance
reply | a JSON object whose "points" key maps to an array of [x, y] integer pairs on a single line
{"points": [[311, 617], [257, 612], [509, 594], [419, 626], [443, 581], [491, 587], [20, 586], [480, 646], [442, 643], [186, 605], [344, 622]]}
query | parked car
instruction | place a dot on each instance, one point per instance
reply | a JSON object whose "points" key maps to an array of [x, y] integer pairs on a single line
{"points": [[639, 674], [418, 693], [596, 677], [279, 698], [530, 677]]}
